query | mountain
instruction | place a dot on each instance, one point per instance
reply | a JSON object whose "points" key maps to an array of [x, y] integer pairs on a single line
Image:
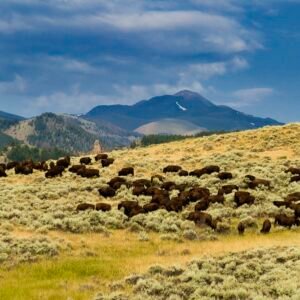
{"points": [[182, 106], [7, 119], [70, 133]]}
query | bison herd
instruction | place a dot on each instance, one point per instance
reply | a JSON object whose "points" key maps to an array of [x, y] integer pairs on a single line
{"points": [[159, 189]]}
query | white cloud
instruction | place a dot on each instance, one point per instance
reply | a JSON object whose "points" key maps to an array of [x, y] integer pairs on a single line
{"points": [[16, 86], [247, 97]]}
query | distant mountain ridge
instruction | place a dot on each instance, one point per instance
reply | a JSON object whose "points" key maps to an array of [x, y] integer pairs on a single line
{"points": [[184, 106]]}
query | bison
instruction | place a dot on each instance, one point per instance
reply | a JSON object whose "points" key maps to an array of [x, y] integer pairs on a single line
{"points": [[2, 172], [75, 169], [88, 173], [257, 182], [64, 162], [286, 221], [54, 172], [241, 228], [201, 218], [107, 162], [241, 198], [171, 169], [101, 156], [24, 170], [266, 227], [202, 205], [183, 173], [107, 192], [225, 175], [126, 172], [227, 189], [85, 206], [85, 160], [102, 207]]}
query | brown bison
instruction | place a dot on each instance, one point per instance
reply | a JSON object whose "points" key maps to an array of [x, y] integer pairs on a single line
{"points": [[126, 172], [117, 182], [85, 160], [293, 171], [131, 208], [103, 207], [201, 218], [171, 169], [266, 227], [198, 193], [107, 162], [12, 165], [259, 182], [24, 170], [227, 189], [216, 199], [241, 228], [2, 172], [150, 207], [202, 205], [168, 185], [139, 190], [158, 177], [85, 206], [295, 178], [107, 192], [64, 162], [225, 175], [281, 203], [54, 172], [88, 173], [142, 182], [241, 198], [286, 221], [101, 156], [183, 173], [76, 168]]}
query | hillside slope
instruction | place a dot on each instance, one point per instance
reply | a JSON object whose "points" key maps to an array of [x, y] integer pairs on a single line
{"points": [[67, 132]]}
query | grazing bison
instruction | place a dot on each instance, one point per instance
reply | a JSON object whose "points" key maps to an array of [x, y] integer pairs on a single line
{"points": [[225, 175], [12, 165], [201, 218], [131, 208], [2, 172], [85, 206], [168, 185], [250, 177], [293, 171], [295, 178], [175, 204], [139, 190], [150, 207], [107, 162], [88, 173], [3, 167], [157, 177], [216, 199], [198, 193], [286, 221], [107, 192], [65, 162], [142, 182], [85, 160], [126, 172], [241, 228], [241, 198], [101, 156], [117, 182], [103, 207], [202, 205], [257, 182], [24, 170], [54, 172], [266, 226], [227, 189], [183, 173], [75, 169], [171, 169], [161, 198], [281, 203]]}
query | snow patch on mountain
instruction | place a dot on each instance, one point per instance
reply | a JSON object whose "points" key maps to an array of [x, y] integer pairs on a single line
{"points": [[181, 107]]}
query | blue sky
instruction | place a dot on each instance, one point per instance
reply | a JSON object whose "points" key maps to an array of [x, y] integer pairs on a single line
{"points": [[71, 55]]}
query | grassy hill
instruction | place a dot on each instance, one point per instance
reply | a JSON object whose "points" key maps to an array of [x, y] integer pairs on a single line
{"points": [[51, 251]]}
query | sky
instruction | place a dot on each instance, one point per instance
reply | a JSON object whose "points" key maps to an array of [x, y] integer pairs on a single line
{"points": [[67, 56]]}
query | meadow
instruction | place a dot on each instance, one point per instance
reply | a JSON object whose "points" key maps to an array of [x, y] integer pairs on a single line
{"points": [[48, 250]]}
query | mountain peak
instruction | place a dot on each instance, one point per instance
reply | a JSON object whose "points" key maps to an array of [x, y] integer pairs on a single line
{"points": [[187, 94], [190, 95]]}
